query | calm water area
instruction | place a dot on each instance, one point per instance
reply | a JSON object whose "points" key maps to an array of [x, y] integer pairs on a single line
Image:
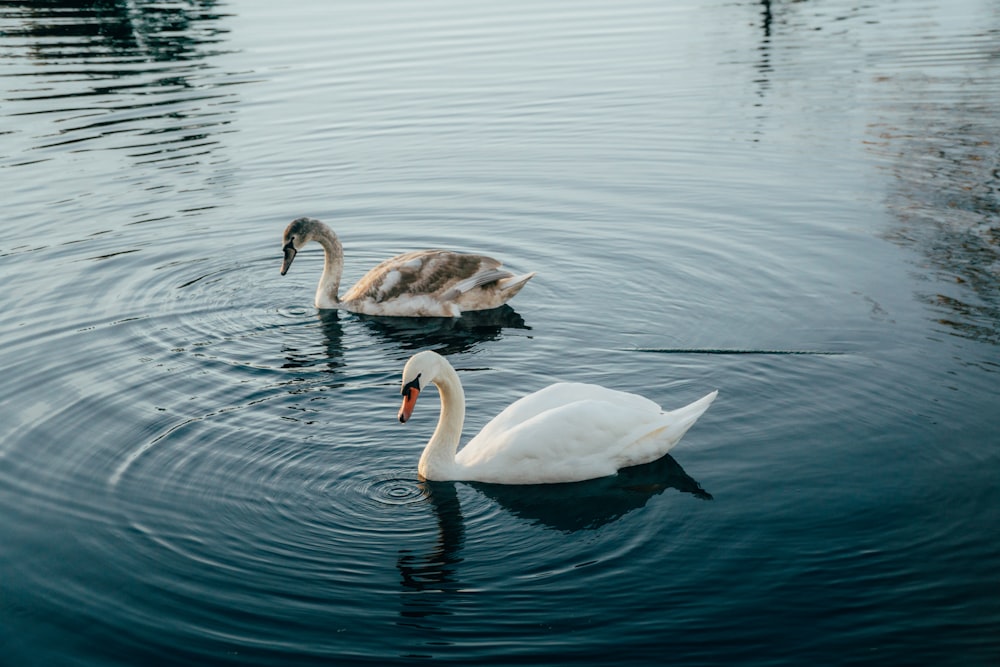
{"points": [[794, 202]]}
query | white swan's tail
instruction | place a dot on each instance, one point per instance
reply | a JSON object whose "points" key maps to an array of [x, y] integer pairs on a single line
{"points": [[657, 441], [684, 418]]}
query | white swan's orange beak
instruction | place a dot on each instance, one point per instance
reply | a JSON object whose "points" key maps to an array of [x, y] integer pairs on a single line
{"points": [[409, 402]]}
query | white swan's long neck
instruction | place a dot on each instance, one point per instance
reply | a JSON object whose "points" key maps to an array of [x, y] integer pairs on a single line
{"points": [[328, 289], [438, 460]]}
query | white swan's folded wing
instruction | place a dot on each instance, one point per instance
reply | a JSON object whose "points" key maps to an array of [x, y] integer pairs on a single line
{"points": [[572, 441], [557, 395], [550, 438]]}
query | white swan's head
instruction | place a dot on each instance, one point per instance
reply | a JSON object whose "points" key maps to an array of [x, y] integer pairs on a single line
{"points": [[421, 370], [297, 234]]}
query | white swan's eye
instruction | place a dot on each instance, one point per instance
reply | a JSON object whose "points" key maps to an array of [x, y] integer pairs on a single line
{"points": [[412, 384]]}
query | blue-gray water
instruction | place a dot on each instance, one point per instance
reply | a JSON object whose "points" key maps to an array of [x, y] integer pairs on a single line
{"points": [[796, 203]]}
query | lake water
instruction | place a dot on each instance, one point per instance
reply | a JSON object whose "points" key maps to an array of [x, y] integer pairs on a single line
{"points": [[795, 203]]}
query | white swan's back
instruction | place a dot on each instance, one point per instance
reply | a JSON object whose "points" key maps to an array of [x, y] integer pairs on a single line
{"points": [[570, 432]]}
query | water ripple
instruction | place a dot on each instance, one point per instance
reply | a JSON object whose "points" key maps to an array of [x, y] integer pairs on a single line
{"points": [[197, 467]]}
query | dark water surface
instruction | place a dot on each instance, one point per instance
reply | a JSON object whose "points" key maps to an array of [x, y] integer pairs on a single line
{"points": [[796, 203]]}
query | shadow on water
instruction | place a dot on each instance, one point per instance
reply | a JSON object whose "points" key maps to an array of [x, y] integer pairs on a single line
{"points": [[430, 581], [446, 335], [130, 75], [764, 65], [945, 197], [594, 503], [78, 30], [935, 129], [435, 571], [332, 353]]}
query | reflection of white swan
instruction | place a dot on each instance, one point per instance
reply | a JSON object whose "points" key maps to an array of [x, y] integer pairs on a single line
{"points": [[593, 503], [424, 283], [566, 432]]}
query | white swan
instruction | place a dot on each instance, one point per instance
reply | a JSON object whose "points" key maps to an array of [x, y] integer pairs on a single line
{"points": [[567, 432], [425, 283]]}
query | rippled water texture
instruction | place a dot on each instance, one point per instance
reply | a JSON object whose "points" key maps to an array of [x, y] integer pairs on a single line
{"points": [[796, 203]]}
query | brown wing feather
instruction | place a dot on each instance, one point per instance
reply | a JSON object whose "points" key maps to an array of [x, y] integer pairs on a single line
{"points": [[419, 272]]}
